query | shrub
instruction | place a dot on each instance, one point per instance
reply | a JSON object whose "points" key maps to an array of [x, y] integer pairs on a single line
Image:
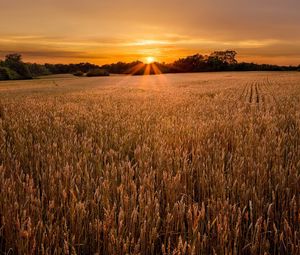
{"points": [[14, 62], [4, 74], [78, 73], [97, 72], [8, 74]]}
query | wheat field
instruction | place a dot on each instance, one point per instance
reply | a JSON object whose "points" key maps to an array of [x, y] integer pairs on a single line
{"points": [[166, 164]]}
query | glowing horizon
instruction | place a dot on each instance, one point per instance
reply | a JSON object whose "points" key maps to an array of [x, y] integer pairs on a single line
{"points": [[105, 32]]}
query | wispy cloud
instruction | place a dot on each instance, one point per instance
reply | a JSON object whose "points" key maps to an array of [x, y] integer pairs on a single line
{"points": [[130, 29]]}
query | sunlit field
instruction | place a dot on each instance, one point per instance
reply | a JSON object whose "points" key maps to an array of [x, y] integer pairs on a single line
{"points": [[164, 164]]}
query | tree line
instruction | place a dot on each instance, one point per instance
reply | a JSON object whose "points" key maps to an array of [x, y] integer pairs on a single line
{"points": [[13, 67], [215, 62]]}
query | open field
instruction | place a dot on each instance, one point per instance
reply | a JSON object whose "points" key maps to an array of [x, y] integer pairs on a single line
{"points": [[166, 164]]}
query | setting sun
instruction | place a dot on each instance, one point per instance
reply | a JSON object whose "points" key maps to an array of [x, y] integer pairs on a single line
{"points": [[150, 60]]}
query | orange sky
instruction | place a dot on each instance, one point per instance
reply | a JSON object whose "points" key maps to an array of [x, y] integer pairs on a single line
{"points": [[106, 31]]}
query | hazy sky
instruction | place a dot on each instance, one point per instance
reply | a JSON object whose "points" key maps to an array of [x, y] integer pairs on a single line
{"points": [[105, 31]]}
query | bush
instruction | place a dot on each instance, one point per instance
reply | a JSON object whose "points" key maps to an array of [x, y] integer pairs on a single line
{"points": [[97, 72], [78, 73], [8, 74], [14, 62], [4, 74]]}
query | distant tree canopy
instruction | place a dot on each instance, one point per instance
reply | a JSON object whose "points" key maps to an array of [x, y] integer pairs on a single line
{"points": [[38, 69], [215, 62], [70, 68], [227, 56], [15, 63], [14, 68]]}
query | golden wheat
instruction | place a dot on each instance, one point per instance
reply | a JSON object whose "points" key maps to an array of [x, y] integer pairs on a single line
{"points": [[170, 164]]}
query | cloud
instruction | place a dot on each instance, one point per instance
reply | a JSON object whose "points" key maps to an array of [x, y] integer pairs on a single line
{"points": [[131, 28]]}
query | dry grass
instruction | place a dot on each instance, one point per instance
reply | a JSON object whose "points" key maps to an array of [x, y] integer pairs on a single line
{"points": [[175, 164]]}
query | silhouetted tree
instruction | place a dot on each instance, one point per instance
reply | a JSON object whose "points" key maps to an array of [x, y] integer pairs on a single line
{"points": [[14, 62], [70, 68], [195, 63], [38, 69], [227, 56], [14, 68]]}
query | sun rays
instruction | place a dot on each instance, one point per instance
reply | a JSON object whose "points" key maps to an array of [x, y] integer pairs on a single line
{"points": [[144, 70], [151, 67]]}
